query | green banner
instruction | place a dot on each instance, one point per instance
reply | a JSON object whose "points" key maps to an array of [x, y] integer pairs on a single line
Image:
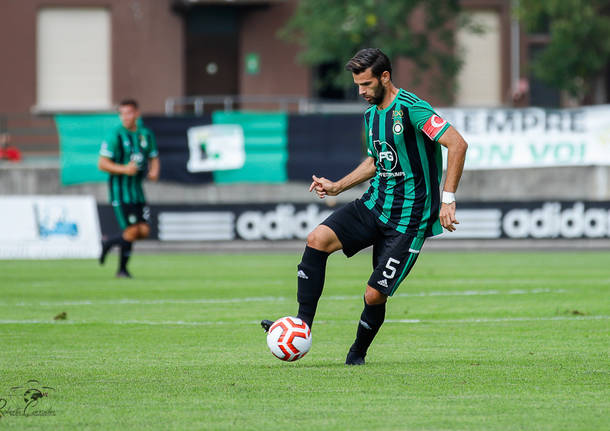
{"points": [[266, 145], [80, 137]]}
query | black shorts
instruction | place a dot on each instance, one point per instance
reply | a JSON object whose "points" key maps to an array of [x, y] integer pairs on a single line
{"points": [[394, 253], [130, 214]]}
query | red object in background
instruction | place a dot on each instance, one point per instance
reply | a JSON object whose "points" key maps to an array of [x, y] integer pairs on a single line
{"points": [[10, 153]]}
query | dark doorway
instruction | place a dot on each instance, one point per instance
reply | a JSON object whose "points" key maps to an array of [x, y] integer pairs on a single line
{"points": [[325, 88], [541, 94], [212, 50]]}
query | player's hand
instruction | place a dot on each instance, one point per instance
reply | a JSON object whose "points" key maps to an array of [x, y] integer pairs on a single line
{"points": [[153, 176], [323, 187], [130, 169], [447, 216]]}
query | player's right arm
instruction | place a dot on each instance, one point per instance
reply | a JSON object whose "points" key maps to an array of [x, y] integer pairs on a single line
{"points": [[107, 165], [324, 187], [106, 162]]}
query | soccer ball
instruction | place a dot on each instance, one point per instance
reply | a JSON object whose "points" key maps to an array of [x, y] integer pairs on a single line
{"points": [[289, 338]]}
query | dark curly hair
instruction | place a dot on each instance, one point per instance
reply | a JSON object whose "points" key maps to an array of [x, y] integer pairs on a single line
{"points": [[369, 57], [129, 102]]}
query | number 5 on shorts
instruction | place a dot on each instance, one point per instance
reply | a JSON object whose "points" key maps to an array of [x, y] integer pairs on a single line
{"points": [[391, 268]]}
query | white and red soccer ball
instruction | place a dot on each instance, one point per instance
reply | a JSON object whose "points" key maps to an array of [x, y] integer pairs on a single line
{"points": [[289, 338]]}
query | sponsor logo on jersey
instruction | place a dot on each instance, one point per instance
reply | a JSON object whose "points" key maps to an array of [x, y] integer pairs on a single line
{"points": [[397, 128], [391, 174], [383, 283], [301, 274], [397, 115], [387, 155], [143, 142], [385, 152], [433, 126]]}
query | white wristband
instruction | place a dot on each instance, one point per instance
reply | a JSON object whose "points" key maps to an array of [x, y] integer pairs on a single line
{"points": [[448, 197]]}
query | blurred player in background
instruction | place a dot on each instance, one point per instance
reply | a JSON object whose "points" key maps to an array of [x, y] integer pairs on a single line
{"points": [[127, 155], [402, 206]]}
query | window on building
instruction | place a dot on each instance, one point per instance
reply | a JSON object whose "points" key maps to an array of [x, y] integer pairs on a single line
{"points": [[479, 80], [73, 58], [541, 94], [324, 88]]}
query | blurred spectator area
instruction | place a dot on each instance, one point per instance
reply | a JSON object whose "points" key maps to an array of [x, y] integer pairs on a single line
{"points": [[35, 136]]}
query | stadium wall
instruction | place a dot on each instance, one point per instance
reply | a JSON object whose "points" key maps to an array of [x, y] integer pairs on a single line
{"points": [[590, 183]]}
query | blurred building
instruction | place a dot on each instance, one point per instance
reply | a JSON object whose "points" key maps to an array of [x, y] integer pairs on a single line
{"points": [[193, 56], [85, 55]]}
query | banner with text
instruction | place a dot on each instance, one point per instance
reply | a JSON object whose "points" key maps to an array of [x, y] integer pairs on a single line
{"points": [[259, 147], [289, 221], [49, 227], [533, 137]]}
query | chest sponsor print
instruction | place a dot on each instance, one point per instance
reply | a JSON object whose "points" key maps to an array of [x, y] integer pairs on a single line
{"points": [[386, 156]]}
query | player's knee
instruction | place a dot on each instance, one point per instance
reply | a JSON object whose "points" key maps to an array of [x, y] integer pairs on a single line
{"points": [[319, 240], [130, 233], [143, 231], [374, 297], [312, 239]]}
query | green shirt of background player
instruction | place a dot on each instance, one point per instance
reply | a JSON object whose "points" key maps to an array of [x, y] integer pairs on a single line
{"points": [[402, 206], [129, 155]]}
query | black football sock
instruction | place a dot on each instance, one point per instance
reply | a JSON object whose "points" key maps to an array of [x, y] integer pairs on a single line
{"points": [[312, 270], [107, 244], [371, 319], [125, 254]]}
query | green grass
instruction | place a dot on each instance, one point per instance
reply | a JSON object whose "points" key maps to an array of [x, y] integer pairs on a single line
{"points": [[472, 341]]}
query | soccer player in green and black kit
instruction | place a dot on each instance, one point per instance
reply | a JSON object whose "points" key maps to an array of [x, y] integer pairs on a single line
{"points": [[126, 155], [402, 206]]}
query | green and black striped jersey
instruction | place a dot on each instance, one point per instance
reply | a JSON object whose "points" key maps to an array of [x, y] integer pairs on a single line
{"points": [[121, 147], [403, 140]]}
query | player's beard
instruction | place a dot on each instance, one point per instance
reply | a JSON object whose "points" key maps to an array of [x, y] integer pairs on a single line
{"points": [[378, 95]]}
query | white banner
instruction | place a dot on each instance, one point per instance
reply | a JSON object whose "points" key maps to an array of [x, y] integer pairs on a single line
{"points": [[533, 137], [49, 227], [215, 148]]}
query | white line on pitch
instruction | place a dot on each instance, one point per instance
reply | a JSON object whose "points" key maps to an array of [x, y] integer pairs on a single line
{"points": [[499, 319], [128, 301], [255, 323]]}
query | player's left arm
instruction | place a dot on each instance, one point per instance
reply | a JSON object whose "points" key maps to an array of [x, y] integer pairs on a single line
{"points": [[456, 146], [154, 164], [423, 118], [154, 168]]}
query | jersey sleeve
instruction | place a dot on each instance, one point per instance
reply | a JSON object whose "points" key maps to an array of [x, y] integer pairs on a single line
{"points": [[424, 119], [154, 152], [109, 146]]}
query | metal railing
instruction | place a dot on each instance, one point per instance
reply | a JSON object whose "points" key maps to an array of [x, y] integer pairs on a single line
{"points": [[303, 105], [198, 103]]}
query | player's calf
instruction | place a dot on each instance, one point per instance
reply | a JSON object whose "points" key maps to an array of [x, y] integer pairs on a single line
{"points": [[371, 319]]}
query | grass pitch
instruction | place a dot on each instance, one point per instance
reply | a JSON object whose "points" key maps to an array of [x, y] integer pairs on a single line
{"points": [[493, 341]]}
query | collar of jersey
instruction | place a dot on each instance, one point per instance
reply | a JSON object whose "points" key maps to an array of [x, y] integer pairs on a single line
{"points": [[391, 105], [125, 129]]}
